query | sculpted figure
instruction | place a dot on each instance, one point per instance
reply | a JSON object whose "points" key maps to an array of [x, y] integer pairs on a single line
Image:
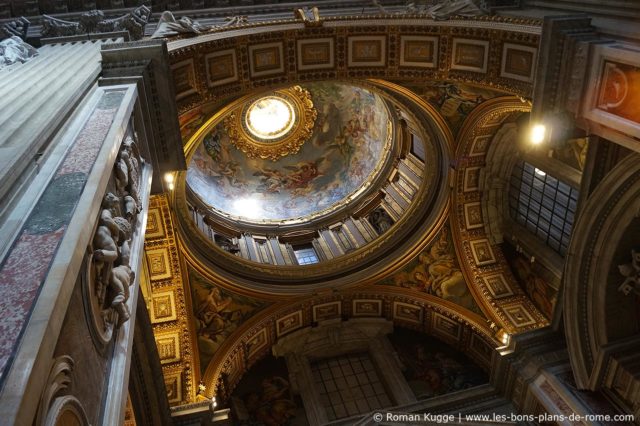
{"points": [[121, 172], [130, 208], [18, 27], [14, 50], [169, 26], [129, 157], [380, 220], [105, 243], [440, 9], [94, 22], [121, 278]]}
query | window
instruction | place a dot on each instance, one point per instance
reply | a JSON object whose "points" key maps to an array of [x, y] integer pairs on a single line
{"points": [[305, 254], [349, 385], [543, 204]]}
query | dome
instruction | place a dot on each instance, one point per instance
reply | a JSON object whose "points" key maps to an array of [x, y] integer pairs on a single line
{"points": [[258, 165]]}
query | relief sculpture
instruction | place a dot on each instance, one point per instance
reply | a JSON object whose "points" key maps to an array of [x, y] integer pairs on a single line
{"points": [[110, 273]]}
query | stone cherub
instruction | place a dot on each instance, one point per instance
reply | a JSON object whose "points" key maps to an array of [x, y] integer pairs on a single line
{"points": [[121, 278], [105, 242]]}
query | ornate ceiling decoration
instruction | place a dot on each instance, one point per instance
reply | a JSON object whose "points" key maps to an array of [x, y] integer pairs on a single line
{"points": [[411, 192], [273, 125], [494, 52], [168, 306], [482, 261], [297, 175], [254, 338]]}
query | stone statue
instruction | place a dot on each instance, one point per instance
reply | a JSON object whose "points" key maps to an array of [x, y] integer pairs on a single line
{"points": [[169, 26], [631, 272], [380, 220], [13, 50], [226, 244], [94, 21], [18, 27]]}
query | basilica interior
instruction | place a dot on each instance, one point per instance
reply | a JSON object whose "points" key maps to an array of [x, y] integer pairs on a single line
{"points": [[240, 212]]}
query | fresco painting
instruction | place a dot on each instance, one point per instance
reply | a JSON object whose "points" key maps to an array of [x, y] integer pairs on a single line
{"points": [[217, 313], [433, 368], [572, 152], [346, 146], [454, 100], [436, 271], [264, 397], [534, 279]]}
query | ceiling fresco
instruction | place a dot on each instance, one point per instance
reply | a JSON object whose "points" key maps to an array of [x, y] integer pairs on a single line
{"points": [[436, 271], [432, 367], [537, 281], [454, 100], [346, 149], [217, 313]]}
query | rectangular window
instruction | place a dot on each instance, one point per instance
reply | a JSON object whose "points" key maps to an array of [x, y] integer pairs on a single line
{"points": [[543, 204], [349, 385], [305, 254]]}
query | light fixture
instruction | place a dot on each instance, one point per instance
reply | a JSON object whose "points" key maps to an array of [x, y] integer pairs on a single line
{"points": [[539, 172], [538, 134], [169, 179]]}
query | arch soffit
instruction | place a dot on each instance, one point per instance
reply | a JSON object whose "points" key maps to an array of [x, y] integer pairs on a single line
{"points": [[483, 264], [254, 339]]}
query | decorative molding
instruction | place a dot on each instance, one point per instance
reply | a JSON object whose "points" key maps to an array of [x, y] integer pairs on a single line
{"points": [[483, 264], [391, 48], [303, 115], [424, 313], [168, 306]]}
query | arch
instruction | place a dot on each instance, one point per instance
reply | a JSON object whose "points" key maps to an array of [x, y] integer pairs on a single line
{"points": [[599, 231], [482, 262], [457, 326]]}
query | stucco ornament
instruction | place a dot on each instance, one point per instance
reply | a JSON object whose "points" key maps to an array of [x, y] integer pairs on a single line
{"points": [[631, 272]]}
